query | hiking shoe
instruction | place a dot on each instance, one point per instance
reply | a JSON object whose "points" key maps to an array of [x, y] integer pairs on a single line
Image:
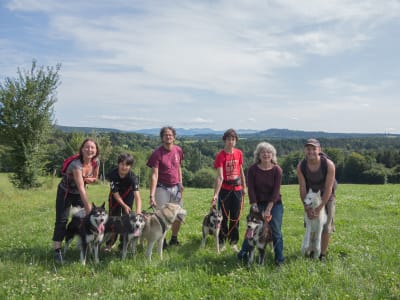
{"points": [[174, 242], [58, 257], [279, 263]]}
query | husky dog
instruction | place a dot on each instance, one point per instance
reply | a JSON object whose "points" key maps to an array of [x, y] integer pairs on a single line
{"points": [[212, 225], [157, 225], [90, 230], [258, 235], [130, 227], [312, 238]]}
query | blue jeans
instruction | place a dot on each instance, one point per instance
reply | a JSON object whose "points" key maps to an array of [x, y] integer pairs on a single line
{"points": [[277, 239]]}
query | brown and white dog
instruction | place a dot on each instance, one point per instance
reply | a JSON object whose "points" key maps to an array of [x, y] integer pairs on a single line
{"points": [[157, 224], [258, 235], [212, 226]]}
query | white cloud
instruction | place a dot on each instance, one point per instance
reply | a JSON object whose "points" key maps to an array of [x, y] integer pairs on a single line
{"points": [[215, 63]]}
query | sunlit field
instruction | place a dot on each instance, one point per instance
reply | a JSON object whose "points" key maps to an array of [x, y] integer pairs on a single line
{"points": [[363, 260]]}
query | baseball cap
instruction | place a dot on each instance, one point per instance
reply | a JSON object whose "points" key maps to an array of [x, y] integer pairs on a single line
{"points": [[312, 142]]}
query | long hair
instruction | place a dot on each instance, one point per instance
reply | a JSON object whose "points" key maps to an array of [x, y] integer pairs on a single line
{"points": [[83, 145], [264, 146]]}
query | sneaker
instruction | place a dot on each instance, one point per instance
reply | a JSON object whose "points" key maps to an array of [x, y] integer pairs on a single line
{"points": [[223, 248], [58, 257], [279, 263], [322, 258], [235, 248], [174, 242]]}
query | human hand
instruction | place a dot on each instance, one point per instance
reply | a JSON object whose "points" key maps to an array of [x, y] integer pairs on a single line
{"points": [[127, 209], [214, 202], [88, 208], [153, 203]]}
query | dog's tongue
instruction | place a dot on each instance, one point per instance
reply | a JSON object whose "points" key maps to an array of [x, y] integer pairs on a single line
{"points": [[100, 228], [136, 233], [249, 234]]}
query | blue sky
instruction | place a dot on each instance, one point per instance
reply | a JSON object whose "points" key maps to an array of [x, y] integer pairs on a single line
{"points": [[330, 66]]}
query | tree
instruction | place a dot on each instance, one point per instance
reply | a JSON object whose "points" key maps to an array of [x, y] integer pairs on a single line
{"points": [[26, 115]]}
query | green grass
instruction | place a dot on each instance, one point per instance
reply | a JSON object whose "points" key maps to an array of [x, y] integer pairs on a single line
{"points": [[363, 260]]}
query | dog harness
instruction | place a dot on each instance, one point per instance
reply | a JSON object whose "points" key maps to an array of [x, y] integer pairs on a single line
{"points": [[163, 226]]}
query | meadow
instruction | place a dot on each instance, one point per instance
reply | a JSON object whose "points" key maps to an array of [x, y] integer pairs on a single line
{"points": [[363, 260]]}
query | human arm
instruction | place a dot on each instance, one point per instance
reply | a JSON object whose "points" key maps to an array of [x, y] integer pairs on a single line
{"points": [[217, 187], [80, 185], [303, 189], [276, 190], [328, 186], [94, 176], [121, 202], [181, 188], [243, 180], [153, 186], [138, 202]]}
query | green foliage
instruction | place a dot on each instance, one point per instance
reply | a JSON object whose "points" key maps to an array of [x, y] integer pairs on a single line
{"points": [[204, 178], [26, 112], [363, 253]]}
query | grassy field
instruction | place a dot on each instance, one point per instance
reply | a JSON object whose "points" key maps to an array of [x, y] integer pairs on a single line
{"points": [[363, 260]]}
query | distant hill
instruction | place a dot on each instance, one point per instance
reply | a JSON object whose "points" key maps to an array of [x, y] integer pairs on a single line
{"points": [[243, 133]]}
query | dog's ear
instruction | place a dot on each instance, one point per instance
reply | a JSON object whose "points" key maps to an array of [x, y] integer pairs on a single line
{"points": [[93, 205], [103, 205]]}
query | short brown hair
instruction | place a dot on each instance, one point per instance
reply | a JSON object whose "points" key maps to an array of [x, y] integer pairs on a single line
{"points": [[230, 132], [165, 128]]}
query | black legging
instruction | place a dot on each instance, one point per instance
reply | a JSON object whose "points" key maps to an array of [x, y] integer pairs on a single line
{"points": [[63, 204]]}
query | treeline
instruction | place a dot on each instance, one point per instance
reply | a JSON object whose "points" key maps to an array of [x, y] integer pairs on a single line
{"points": [[358, 160]]}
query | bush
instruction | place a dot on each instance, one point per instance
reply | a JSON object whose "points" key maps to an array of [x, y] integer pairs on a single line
{"points": [[204, 178]]}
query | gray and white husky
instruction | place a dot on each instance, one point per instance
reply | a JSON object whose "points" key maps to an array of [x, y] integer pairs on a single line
{"points": [[212, 225]]}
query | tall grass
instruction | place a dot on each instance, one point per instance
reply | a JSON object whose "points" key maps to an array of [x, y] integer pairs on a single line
{"points": [[363, 260]]}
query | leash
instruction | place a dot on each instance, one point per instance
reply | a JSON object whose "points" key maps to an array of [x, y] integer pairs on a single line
{"points": [[236, 221]]}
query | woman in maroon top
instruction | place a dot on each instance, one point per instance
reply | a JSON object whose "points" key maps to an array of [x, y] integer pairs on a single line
{"points": [[264, 180]]}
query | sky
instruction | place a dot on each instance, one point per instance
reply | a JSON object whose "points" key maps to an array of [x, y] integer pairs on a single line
{"points": [[309, 65]]}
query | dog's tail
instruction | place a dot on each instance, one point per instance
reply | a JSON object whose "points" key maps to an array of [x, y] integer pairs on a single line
{"points": [[77, 211]]}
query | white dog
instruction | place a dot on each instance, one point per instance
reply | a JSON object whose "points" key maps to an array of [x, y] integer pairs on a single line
{"points": [[312, 238]]}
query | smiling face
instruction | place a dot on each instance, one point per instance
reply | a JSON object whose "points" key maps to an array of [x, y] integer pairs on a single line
{"points": [[265, 156], [168, 137], [312, 152], [123, 168], [89, 150]]}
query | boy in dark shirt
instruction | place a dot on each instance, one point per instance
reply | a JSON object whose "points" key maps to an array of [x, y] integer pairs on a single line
{"points": [[124, 190]]}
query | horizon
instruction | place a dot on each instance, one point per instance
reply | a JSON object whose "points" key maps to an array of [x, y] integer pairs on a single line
{"points": [[215, 131], [307, 66]]}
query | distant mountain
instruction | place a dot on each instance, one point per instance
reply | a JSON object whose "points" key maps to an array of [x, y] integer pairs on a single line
{"points": [[243, 133], [291, 134]]}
